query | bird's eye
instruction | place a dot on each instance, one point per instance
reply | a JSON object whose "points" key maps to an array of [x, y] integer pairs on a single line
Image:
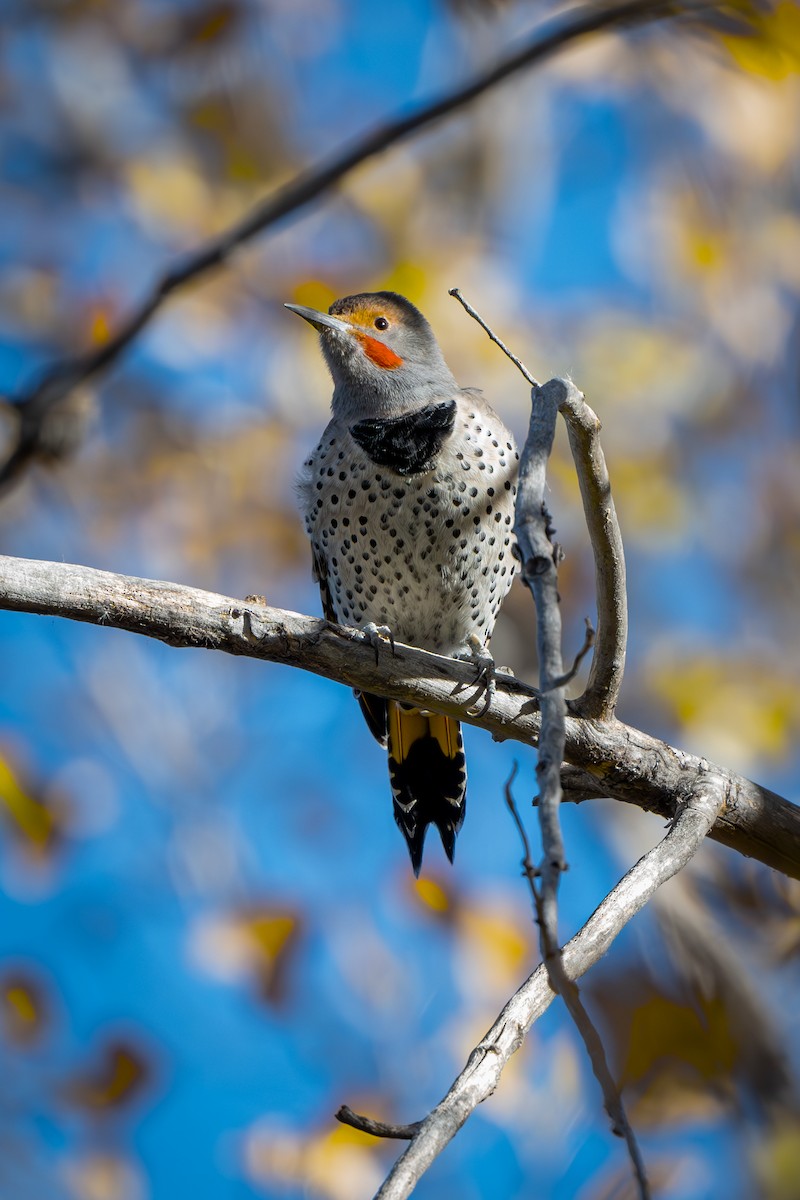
{"points": [[381, 323]]}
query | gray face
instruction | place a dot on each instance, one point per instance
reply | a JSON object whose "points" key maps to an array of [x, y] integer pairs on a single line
{"points": [[382, 355]]}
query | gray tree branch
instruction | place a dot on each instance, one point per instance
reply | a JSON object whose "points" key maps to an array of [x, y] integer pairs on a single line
{"points": [[608, 662], [614, 759], [539, 555], [694, 819]]}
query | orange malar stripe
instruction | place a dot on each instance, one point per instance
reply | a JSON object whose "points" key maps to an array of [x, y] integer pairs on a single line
{"points": [[380, 354]]}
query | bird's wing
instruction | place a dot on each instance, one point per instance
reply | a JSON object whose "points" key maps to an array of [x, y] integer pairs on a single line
{"points": [[320, 574], [373, 707]]}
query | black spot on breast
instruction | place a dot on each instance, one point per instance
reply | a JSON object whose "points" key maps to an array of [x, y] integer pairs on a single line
{"points": [[409, 444]]}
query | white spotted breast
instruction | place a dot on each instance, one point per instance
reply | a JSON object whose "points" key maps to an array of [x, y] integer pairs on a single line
{"points": [[430, 554]]}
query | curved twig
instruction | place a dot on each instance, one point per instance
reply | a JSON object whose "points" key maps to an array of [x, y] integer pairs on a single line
{"points": [[608, 662], [381, 1129]]}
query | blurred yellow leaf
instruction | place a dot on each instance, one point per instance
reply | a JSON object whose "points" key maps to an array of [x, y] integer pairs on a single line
{"points": [[273, 936], [22, 1008], [313, 293], [497, 944], [409, 278], [675, 1054], [334, 1164], [738, 708], [256, 943], [112, 1081], [649, 496], [772, 50], [777, 1162], [99, 325], [432, 895], [30, 817], [170, 193], [687, 1057]]}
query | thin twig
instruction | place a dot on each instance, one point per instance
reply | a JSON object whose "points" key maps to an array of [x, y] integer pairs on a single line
{"points": [[588, 642], [486, 1063], [381, 1129], [59, 379], [518, 363], [528, 867]]}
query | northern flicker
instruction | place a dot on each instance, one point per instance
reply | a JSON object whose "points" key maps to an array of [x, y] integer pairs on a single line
{"points": [[409, 504]]}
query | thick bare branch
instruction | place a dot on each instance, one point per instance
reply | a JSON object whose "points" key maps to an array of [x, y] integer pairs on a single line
{"points": [[486, 1062], [616, 760], [52, 386]]}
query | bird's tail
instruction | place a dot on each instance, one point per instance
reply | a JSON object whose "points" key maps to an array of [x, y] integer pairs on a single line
{"points": [[428, 774]]}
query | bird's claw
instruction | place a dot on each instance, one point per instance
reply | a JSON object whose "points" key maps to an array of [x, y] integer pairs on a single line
{"points": [[477, 653], [374, 635]]}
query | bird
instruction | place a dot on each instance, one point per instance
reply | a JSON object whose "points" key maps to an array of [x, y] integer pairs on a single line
{"points": [[408, 501]]}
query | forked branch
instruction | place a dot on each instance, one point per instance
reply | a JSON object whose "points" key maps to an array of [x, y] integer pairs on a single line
{"points": [[487, 1061], [608, 662]]}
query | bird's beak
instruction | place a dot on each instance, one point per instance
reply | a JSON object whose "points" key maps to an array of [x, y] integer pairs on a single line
{"points": [[319, 320]]}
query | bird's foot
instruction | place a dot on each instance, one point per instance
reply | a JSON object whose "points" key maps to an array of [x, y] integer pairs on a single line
{"points": [[375, 635], [476, 652]]}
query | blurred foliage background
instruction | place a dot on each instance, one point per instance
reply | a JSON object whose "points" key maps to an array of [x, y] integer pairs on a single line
{"points": [[210, 934]]}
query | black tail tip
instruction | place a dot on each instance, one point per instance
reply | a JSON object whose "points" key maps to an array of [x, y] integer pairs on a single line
{"points": [[429, 787], [414, 832]]}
